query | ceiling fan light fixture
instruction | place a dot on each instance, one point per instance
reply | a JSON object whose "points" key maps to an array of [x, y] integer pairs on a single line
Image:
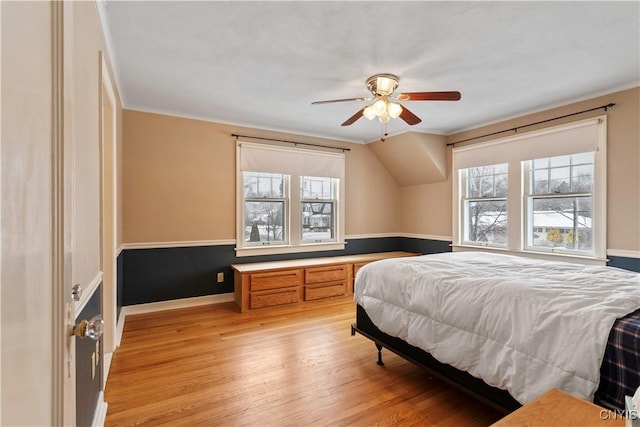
{"points": [[382, 87], [384, 118], [380, 107], [369, 112], [382, 84], [386, 85], [394, 110]]}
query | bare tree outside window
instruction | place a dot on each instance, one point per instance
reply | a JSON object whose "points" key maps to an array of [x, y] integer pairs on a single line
{"points": [[264, 207], [485, 204]]}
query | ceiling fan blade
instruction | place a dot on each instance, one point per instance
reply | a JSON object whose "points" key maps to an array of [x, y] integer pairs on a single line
{"points": [[430, 96], [353, 118], [340, 100], [409, 117]]}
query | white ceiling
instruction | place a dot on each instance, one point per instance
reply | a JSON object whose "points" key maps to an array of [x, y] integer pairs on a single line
{"points": [[261, 64]]}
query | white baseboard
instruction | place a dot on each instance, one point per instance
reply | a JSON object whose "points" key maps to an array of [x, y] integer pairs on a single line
{"points": [[106, 365], [100, 413], [120, 326], [128, 310], [426, 237]]}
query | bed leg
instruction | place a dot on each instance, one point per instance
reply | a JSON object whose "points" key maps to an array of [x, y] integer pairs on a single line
{"points": [[379, 362]]}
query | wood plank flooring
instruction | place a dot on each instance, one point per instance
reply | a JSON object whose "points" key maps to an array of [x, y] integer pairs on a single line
{"points": [[289, 366]]}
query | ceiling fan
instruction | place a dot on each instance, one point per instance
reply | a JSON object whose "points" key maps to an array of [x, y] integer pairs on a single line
{"points": [[386, 107]]}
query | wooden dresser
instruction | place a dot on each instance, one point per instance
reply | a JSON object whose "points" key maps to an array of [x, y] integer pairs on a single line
{"points": [[266, 284]]}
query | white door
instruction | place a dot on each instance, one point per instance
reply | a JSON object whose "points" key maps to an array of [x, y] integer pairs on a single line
{"points": [[36, 353]]}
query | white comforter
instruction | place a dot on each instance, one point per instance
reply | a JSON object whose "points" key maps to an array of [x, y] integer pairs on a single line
{"points": [[519, 324]]}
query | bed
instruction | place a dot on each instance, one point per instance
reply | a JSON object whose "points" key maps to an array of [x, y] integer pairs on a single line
{"points": [[505, 328]]}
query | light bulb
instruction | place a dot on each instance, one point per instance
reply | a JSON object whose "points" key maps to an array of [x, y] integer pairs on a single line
{"points": [[369, 112], [394, 110], [384, 117], [380, 107]]}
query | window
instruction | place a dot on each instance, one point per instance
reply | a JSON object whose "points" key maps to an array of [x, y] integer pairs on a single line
{"points": [[318, 201], [485, 205], [265, 201], [542, 193], [560, 202], [288, 200]]}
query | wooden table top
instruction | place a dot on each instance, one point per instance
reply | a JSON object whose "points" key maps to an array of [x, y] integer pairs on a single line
{"points": [[312, 262], [556, 408]]}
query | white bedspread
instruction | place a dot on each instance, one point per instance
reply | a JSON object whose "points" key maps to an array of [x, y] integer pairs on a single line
{"points": [[519, 324]]}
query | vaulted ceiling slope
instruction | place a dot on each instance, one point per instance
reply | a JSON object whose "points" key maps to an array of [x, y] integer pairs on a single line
{"points": [[261, 64]]}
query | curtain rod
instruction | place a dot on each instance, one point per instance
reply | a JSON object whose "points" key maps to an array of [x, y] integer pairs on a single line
{"points": [[515, 129], [291, 142]]}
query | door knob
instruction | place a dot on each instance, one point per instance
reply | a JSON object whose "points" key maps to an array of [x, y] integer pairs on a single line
{"points": [[89, 328]]}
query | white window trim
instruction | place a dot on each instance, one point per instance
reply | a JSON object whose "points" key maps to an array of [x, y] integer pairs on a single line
{"points": [[516, 243], [294, 245]]}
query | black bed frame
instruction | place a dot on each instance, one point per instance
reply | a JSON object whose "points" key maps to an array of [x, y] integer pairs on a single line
{"points": [[498, 399]]}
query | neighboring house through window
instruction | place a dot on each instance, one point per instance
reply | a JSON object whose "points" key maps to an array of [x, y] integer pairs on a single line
{"points": [[318, 209]]}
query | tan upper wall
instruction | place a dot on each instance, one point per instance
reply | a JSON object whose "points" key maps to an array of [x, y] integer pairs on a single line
{"points": [[413, 158], [179, 181], [623, 173], [425, 209], [179, 178]]}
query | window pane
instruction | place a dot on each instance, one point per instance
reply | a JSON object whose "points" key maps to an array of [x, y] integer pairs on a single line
{"points": [[487, 181], [316, 187], [582, 179], [264, 221], [582, 158], [486, 222], [318, 220], [257, 184], [540, 181], [559, 180], [317, 208], [250, 183], [562, 174], [556, 221], [541, 163]]}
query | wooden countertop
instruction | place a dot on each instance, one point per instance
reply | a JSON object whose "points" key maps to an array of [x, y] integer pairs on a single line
{"points": [[312, 262], [556, 408]]}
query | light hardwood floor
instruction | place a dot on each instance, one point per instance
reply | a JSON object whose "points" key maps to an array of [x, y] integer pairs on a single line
{"points": [[290, 366]]}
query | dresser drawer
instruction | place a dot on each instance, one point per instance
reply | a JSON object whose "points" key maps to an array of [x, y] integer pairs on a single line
{"points": [[357, 266], [312, 292], [275, 280], [329, 273], [270, 299]]}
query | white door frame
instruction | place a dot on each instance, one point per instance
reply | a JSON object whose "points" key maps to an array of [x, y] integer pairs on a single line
{"points": [[109, 212]]}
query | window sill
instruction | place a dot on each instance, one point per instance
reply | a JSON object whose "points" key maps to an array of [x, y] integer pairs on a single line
{"points": [[288, 249], [544, 255]]}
